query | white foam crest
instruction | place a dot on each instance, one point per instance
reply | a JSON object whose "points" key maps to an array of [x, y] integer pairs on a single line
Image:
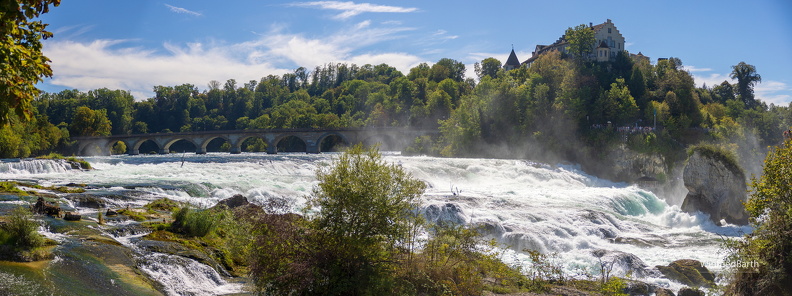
{"points": [[33, 167], [184, 276]]}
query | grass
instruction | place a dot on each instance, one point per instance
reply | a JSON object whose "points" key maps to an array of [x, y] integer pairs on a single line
{"points": [[163, 204], [11, 187], [717, 153], [83, 164]]}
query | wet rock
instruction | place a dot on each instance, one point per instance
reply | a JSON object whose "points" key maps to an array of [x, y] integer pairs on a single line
{"points": [[716, 187], [45, 208], [448, 212], [87, 201], [637, 288], [235, 201], [111, 213], [688, 272], [72, 216], [691, 292], [177, 249], [625, 262], [664, 292]]}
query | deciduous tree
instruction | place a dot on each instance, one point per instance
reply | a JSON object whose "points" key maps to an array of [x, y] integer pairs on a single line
{"points": [[22, 64]]}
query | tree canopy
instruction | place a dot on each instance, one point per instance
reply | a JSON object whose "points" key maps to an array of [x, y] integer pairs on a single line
{"points": [[22, 63]]}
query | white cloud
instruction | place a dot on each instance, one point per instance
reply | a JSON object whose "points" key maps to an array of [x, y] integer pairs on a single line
{"points": [[180, 10], [350, 9], [118, 64], [696, 69]]}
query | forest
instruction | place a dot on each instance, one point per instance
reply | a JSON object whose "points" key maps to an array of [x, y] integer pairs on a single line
{"points": [[561, 108]]}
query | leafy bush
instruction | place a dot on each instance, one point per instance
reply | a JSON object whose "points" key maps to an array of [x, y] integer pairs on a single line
{"points": [[192, 222], [20, 232], [762, 262]]}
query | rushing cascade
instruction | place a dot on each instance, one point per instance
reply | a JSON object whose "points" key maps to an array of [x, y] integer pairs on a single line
{"points": [[33, 166], [522, 205]]}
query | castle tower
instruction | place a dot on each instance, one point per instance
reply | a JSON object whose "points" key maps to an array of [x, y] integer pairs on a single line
{"points": [[512, 62]]}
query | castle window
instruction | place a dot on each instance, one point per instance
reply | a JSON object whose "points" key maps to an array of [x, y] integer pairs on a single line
{"points": [[609, 30]]}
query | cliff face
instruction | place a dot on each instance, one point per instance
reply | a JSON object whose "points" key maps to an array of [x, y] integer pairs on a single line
{"points": [[629, 165], [715, 188]]}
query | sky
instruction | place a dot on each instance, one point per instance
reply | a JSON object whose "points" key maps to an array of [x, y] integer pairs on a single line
{"points": [[136, 45]]}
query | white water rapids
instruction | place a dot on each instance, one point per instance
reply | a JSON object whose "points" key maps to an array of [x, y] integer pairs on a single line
{"points": [[524, 205]]}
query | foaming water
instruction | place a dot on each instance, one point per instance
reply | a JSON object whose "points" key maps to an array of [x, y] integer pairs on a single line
{"points": [[521, 204], [14, 168]]}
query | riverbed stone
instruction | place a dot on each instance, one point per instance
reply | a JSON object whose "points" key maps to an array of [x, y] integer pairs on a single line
{"points": [[45, 208], [72, 216], [691, 292], [688, 272]]}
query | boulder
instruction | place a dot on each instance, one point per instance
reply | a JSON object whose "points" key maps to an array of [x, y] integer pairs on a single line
{"points": [[235, 201], [44, 208], [688, 272], [111, 213], [445, 213], [664, 292], [691, 292], [72, 216], [716, 186]]}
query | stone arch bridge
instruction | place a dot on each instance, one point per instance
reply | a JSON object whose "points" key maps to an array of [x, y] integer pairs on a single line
{"points": [[389, 138]]}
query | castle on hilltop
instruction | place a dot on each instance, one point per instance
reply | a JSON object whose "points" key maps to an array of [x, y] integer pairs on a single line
{"points": [[608, 43]]}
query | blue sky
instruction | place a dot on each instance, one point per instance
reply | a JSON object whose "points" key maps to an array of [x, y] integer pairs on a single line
{"points": [[135, 45]]}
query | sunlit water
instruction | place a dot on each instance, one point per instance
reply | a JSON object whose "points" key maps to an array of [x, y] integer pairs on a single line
{"points": [[523, 205]]}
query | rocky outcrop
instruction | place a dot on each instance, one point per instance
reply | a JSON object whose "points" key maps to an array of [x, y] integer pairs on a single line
{"points": [[691, 292], [72, 216], [44, 208], [445, 213], [688, 272], [628, 165], [664, 292], [235, 201], [716, 186]]}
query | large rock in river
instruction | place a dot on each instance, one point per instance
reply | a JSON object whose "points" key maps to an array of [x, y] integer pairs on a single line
{"points": [[717, 186]]}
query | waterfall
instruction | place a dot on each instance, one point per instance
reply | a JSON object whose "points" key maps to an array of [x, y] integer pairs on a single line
{"points": [[34, 166]]}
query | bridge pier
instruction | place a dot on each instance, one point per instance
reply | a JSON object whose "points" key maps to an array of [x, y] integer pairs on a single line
{"points": [[312, 148], [200, 150], [236, 150], [272, 149], [133, 151], [164, 151]]}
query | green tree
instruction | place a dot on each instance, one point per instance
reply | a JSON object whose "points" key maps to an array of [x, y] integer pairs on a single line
{"points": [[746, 78], [488, 67], [581, 41], [763, 261], [91, 123], [362, 213], [22, 64]]}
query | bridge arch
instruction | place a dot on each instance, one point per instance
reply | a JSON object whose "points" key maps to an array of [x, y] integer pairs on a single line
{"points": [[244, 139], [201, 149], [292, 140], [134, 149], [165, 148], [325, 147]]}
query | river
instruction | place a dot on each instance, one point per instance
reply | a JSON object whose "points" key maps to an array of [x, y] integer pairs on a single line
{"points": [[555, 209]]}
